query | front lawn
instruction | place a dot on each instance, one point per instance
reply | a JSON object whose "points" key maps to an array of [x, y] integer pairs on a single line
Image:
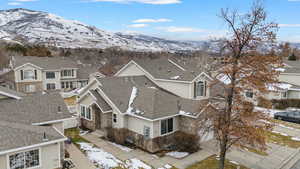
{"points": [[212, 163], [73, 134], [283, 140]]}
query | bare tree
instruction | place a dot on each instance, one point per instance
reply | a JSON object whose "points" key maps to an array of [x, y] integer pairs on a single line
{"points": [[246, 68]]}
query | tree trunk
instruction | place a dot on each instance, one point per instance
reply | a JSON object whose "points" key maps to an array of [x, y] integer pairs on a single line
{"points": [[222, 156]]}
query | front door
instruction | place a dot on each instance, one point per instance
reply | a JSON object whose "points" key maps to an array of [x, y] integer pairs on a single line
{"points": [[97, 118]]}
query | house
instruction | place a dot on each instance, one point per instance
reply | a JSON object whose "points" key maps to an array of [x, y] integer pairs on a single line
{"points": [[31, 130], [31, 74], [290, 73], [151, 103]]}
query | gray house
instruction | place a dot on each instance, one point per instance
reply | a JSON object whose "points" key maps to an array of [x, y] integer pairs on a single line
{"points": [[31, 130]]}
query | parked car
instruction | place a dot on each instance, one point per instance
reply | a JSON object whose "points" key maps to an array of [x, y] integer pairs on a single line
{"points": [[291, 116]]}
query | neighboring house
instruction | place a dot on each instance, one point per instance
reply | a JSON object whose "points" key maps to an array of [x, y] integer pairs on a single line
{"points": [[283, 90], [151, 103], [30, 74], [290, 73], [31, 130]]}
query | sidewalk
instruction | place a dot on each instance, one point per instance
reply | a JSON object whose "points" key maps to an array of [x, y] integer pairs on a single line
{"points": [[78, 158], [148, 158]]}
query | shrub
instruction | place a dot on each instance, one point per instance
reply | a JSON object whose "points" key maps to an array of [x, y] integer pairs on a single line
{"points": [[286, 103], [186, 142], [292, 57], [263, 102]]}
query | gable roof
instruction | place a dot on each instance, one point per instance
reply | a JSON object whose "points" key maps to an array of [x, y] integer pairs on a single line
{"points": [[10, 93], [48, 63], [103, 105], [291, 66], [171, 68], [149, 102], [16, 135], [36, 108]]}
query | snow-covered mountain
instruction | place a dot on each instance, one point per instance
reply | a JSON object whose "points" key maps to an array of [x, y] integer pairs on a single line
{"points": [[37, 27]]}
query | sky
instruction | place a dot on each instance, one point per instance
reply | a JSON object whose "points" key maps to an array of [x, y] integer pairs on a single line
{"points": [[171, 19]]}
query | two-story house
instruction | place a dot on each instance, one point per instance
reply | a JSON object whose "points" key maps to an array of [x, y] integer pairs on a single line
{"points": [[151, 98], [30, 74], [31, 130]]}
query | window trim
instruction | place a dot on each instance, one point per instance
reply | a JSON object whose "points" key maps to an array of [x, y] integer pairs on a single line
{"points": [[114, 118], [85, 113], [173, 126], [54, 77], [40, 157], [31, 71], [29, 91], [50, 86], [204, 91]]}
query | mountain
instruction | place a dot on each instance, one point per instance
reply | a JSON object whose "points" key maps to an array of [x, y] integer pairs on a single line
{"points": [[28, 26]]}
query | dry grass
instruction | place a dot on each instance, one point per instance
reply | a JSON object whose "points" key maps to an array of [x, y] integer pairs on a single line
{"points": [[73, 134], [277, 138], [212, 163], [288, 124], [254, 150]]}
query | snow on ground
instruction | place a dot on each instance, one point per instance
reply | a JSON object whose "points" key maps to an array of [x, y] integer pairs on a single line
{"points": [[101, 158], [175, 77], [135, 163], [283, 134], [283, 126], [176, 154], [124, 148], [167, 166], [234, 162], [295, 138], [106, 160], [72, 109]]}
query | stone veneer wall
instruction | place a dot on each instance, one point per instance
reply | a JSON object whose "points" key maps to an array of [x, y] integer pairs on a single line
{"points": [[106, 120]]}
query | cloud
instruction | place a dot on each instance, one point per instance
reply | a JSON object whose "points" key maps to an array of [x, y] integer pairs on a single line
{"points": [[154, 2], [14, 3], [180, 29], [137, 25], [289, 25], [152, 20]]}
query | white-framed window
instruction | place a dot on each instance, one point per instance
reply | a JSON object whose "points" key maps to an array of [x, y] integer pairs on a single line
{"points": [[50, 75], [67, 73], [25, 160], [166, 126], [115, 118], [249, 94], [67, 85], [28, 74], [146, 132], [86, 112], [29, 88], [200, 88], [50, 86]]}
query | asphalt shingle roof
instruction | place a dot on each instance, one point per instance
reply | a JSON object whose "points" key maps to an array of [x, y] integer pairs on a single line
{"points": [[11, 92], [100, 101]]}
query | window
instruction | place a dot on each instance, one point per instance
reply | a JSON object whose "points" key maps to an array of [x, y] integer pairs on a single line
{"points": [[166, 126], [62, 85], [200, 88], [51, 86], [29, 88], [24, 160], [29, 75], [115, 118], [50, 75], [249, 94], [146, 132], [67, 73], [86, 112]]}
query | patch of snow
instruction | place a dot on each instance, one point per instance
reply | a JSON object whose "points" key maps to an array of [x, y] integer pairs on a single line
{"points": [[175, 77], [176, 154], [136, 164], [181, 112], [168, 166], [83, 132], [72, 109], [283, 134], [99, 157], [283, 126], [279, 86], [280, 69], [131, 99], [234, 162], [224, 79], [124, 148], [295, 138]]}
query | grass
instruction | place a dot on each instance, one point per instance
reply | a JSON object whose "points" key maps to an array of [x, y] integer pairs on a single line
{"points": [[73, 134], [254, 150], [212, 163], [277, 138]]}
